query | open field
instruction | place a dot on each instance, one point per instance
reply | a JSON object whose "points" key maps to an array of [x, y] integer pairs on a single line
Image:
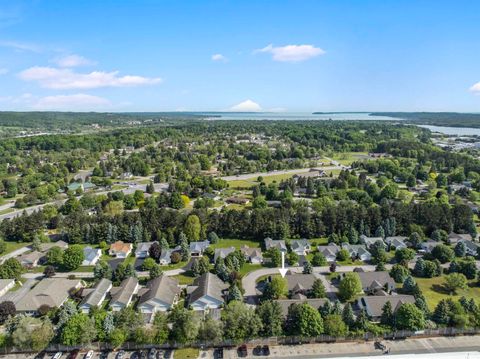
{"points": [[432, 289], [237, 243]]}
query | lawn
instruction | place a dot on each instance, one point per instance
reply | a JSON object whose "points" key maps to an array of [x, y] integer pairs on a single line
{"points": [[184, 279], [249, 267], [174, 266], [432, 289], [186, 353], [12, 246], [248, 183], [237, 243]]}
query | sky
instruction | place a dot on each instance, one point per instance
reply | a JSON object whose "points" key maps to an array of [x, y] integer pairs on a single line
{"points": [[294, 56]]}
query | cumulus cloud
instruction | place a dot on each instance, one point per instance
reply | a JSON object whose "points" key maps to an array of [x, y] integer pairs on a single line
{"points": [[72, 102], [246, 106], [63, 79], [219, 57], [73, 61], [476, 88], [292, 53]]}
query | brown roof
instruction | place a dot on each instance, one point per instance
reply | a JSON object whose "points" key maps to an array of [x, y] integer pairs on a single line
{"points": [[120, 246]]}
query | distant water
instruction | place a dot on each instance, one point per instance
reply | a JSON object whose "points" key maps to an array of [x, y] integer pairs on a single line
{"points": [[453, 131], [297, 116]]}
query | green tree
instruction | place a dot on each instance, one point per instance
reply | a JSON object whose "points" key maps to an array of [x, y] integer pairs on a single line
{"points": [[240, 322], [32, 333], [399, 273], [443, 253], [318, 289], [184, 325], [409, 317], [455, 281], [277, 288], [79, 329], [334, 325], [102, 270], [55, 256], [303, 320], [270, 313], [350, 286], [73, 257], [404, 254], [319, 260], [192, 228], [387, 314], [210, 330]]}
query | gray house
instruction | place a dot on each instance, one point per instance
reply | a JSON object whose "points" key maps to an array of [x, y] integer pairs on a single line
{"points": [[197, 248], [279, 244], [122, 296], [162, 293], [376, 281], [301, 246], [373, 305], [206, 293], [95, 296]]}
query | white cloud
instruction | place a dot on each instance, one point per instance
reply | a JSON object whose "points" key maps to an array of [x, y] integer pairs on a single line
{"points": [[20, 46], [62, 79], [73, 61], [476, 88], [292, 53], [3, 71], [246, 106], [72, 102], [219, 57]]}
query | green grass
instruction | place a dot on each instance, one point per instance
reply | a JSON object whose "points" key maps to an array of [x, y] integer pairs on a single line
{"points": [[8, 210], [12, 246], [432, 289], [184, 279], [174, 266], [237, 243], [249, 267], [186, 353]]}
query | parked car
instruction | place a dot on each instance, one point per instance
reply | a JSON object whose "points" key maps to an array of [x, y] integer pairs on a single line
{"points": [[152, 353], [121, 354], [218, 353], [242, 351], [89, 355], [57, 355], [74, 354]]}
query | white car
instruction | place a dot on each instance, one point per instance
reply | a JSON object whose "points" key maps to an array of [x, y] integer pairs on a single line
{"points": [[57, 355], [89, 355]]}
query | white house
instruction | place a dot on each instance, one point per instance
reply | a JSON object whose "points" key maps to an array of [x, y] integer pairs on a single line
{"points": [[142, 249], [162, 293], [91, 256], [358, 251], [207, 292], [301, 247], [329, 252]]}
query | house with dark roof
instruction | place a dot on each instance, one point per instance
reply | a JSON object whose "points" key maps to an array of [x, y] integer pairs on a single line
{"points": [[122, 296], [142, 249], [197, 248], [206, 292], [31, 259], [279, 244], [373, 305], [165, 256], [358, 251], [397, 242], [370, 241], [45, 247], [454, 238], [300, 299], [299, 283], [301, 246], [51, 292], [375, 281], [162, 293], [471, 247], [94, 297]]}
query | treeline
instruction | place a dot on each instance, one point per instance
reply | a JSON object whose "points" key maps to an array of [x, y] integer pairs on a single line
{"points": [[453, 119]]}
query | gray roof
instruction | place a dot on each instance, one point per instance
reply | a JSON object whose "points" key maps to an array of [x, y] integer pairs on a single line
{"points": [[332, 249], [94, 298], [251, 252], [50, 291], [90, 253], [299, 244], [286, 303], [374, 304], [300, 282], [355, 249], [223, 252], [125, 291], [163, 288], [375, 280], [396, 241], [143, 246], [280, 244], [31, 257], [199, 246], [208, 284], [5, 282], [456, 237], [44, 247]]}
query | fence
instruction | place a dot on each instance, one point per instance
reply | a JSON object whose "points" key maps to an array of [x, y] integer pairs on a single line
{"points": [[291, 340]]}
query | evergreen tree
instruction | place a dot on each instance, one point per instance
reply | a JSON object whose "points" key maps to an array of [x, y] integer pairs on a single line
{"points": [[387, 314], [348, 316]]}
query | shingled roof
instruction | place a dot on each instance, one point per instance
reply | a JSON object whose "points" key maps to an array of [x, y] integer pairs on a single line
{"points": [[208, 284], [163, 288]]}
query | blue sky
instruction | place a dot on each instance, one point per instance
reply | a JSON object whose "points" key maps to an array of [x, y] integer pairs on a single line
{"points": [[240, 55]]}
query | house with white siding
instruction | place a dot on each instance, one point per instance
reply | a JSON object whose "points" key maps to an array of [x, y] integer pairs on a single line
{"points": [[206, 293], [161, 295]]}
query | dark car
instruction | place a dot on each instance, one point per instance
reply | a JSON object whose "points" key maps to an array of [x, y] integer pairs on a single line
{"points": [[167, 354], [266, 350], [103, 355], [73, 354], [378, 345], [120, 354], [152, 353], [218, 353], [242, 351]]}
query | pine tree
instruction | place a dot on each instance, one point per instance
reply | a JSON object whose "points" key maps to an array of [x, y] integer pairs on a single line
{"points": [[235, 294], [337, 308], [387, 314], [326, 309], [348, 316], [307, 267], [108, 324]]}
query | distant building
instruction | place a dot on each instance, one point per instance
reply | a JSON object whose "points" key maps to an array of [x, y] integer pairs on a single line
{"points": [[31, 259], [329, 252], [238, 200], [397, 242], [300, 299], [358, 251], [300, 283], [222, 253], [301, 246], [252, 255], [45, 247], [197, 248], [376, 281]]}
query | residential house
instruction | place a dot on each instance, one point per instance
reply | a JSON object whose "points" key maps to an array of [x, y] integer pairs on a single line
{"points": [[222, 253], [279, 244], [45, 247], [454, 238], [301, 246], [370, 241], [51, 292], [300, 299], [397, 242], [329, 252], [122, 296], [142, 249], [207, 292], [252, 255], [299, 283], [165, 256], [162, 293], [91, 256], [120, 249], [358, 251], [94, 297], [31, 259], [197, 248], [238, 200], [471, 247], [373, 305], [6, 285], [428, 246], [376, 281]]}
